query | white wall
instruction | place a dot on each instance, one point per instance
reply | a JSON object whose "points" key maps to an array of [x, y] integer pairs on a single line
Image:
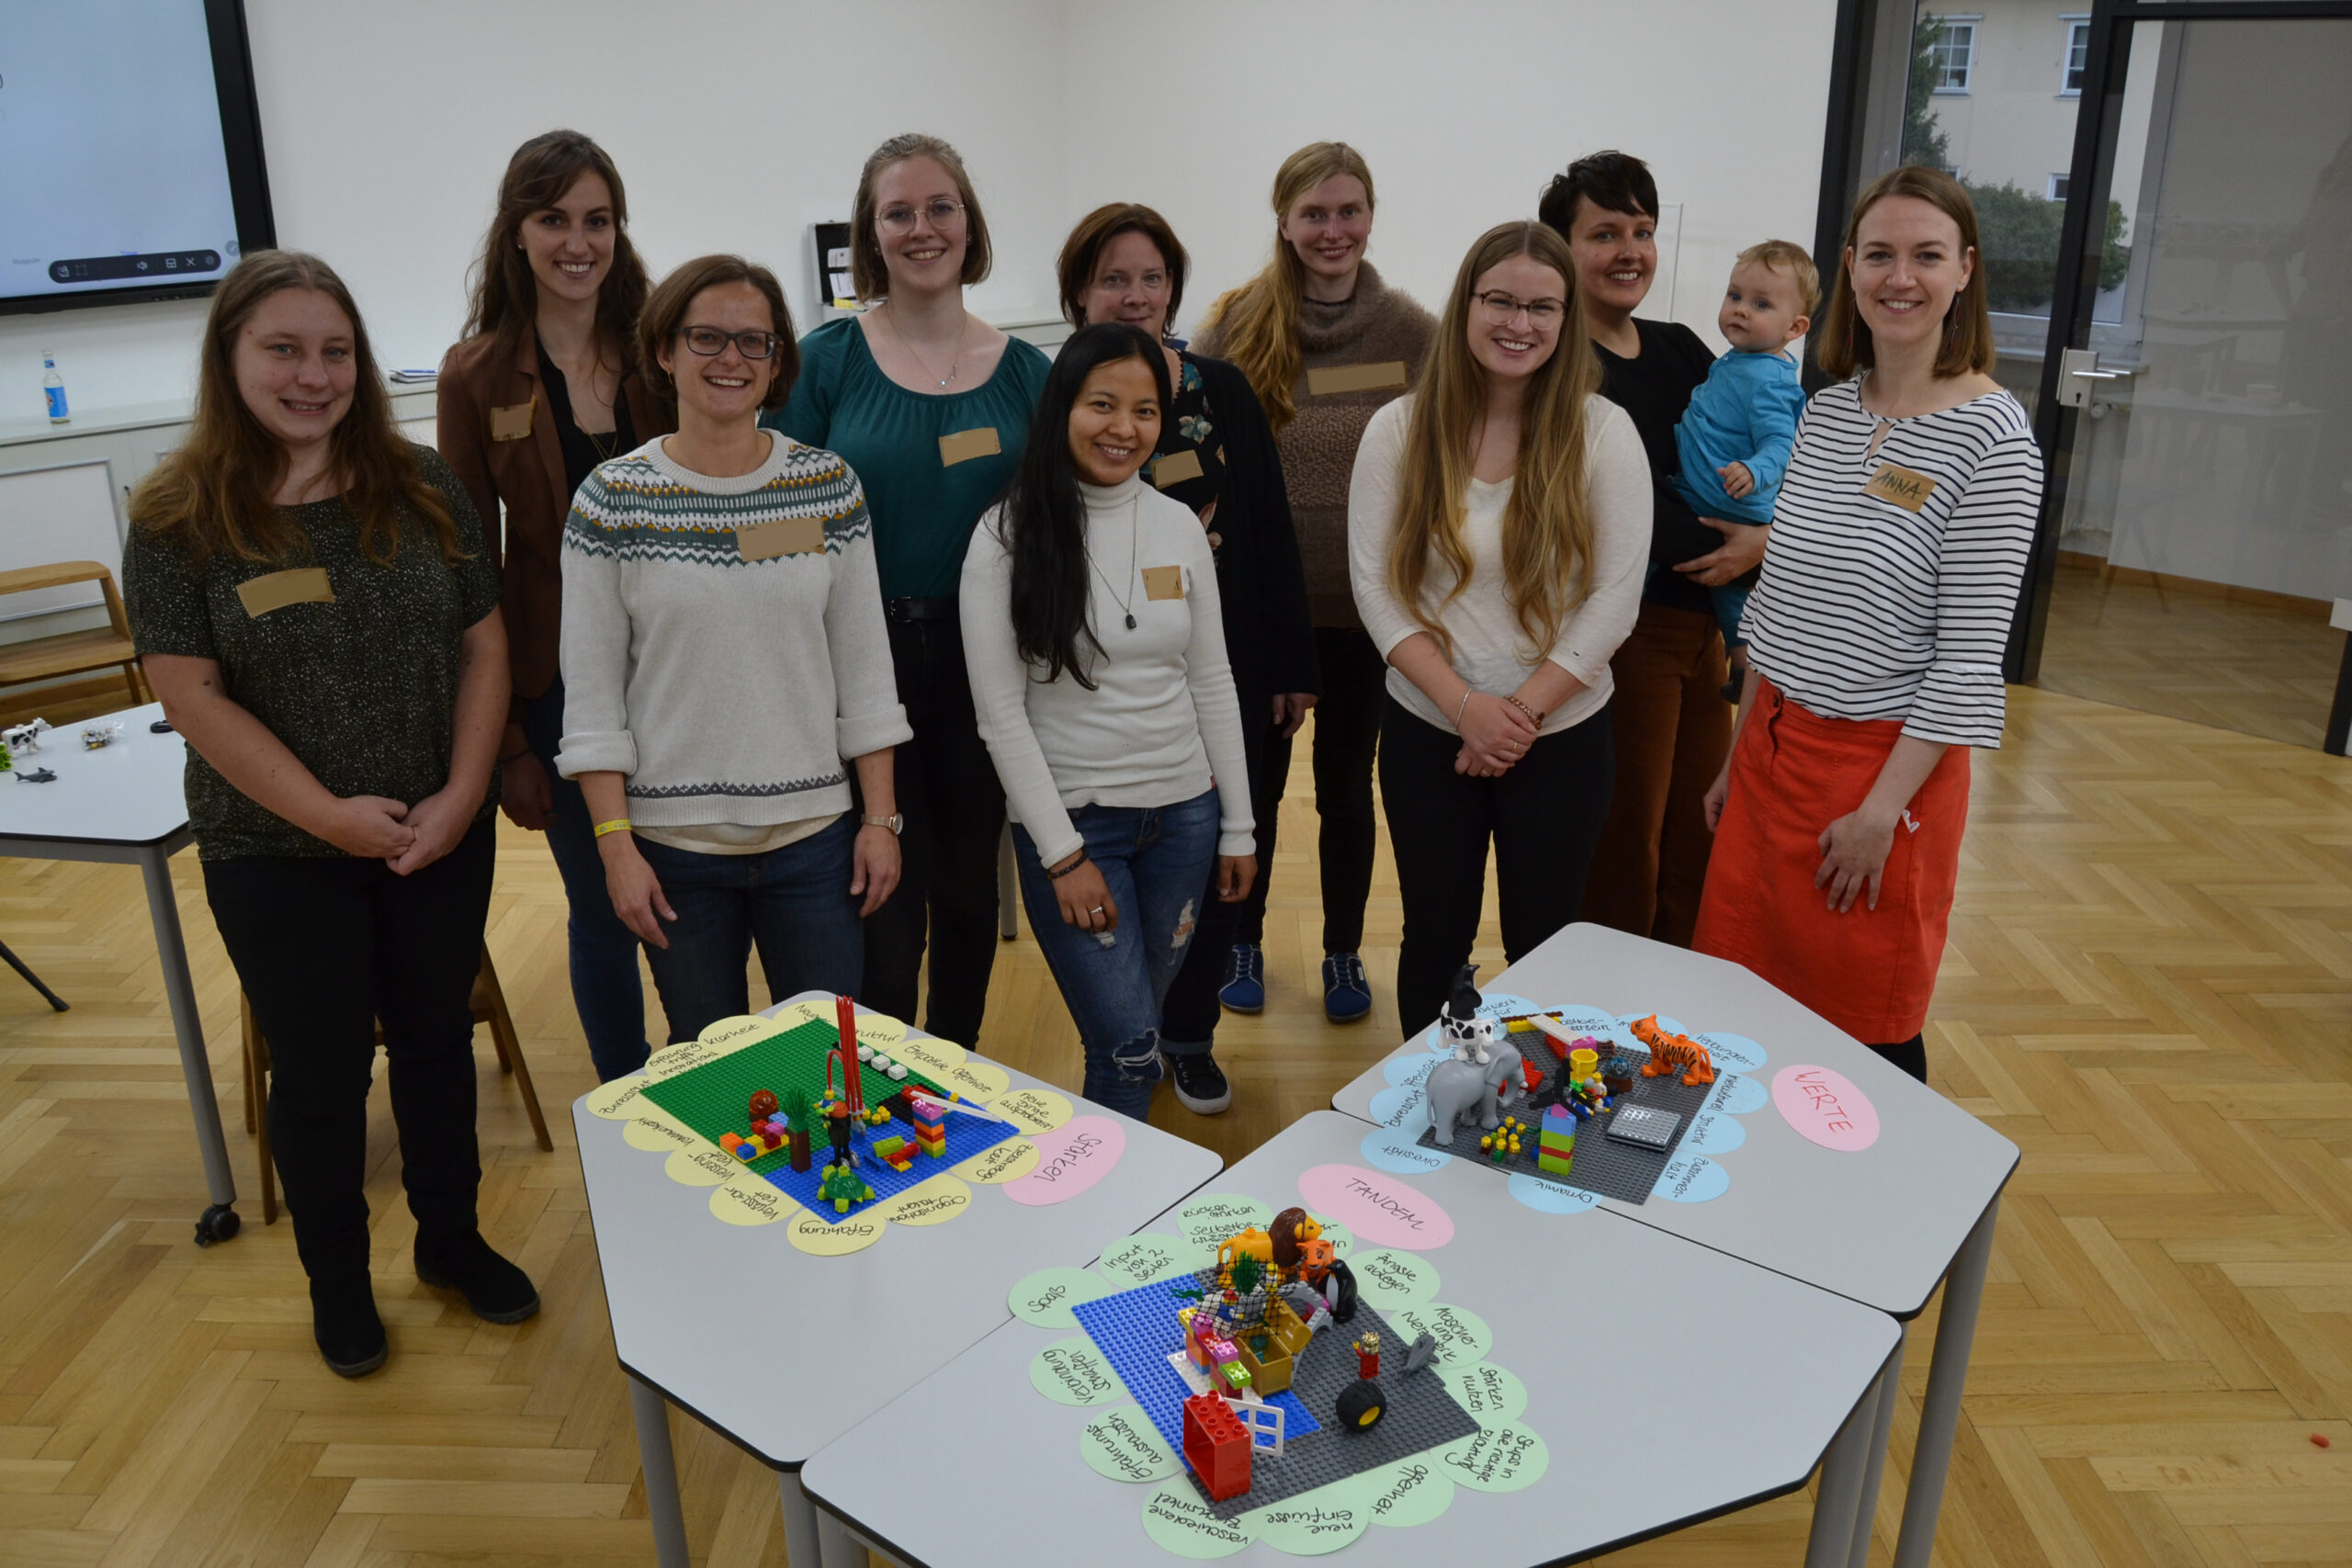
{"points": [[739, 122]]}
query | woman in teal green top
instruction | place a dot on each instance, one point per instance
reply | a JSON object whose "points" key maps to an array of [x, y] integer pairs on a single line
{"points": [[929, 405]]}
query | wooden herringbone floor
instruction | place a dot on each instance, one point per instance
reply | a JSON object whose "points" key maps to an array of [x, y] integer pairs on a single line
{"points": [[2149, 988]]}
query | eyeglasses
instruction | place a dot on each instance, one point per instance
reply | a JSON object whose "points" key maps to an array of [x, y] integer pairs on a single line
{"points": [[899, 218], [710, 343], [1501, 308]]}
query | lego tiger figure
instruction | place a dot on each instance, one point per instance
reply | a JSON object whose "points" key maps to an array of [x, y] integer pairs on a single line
{"points": [[1669, 1052]]}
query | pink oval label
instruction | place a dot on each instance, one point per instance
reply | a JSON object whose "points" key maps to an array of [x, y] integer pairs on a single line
{"points": [[1070, 1158], [1823, 1104], [1379, 1208]]}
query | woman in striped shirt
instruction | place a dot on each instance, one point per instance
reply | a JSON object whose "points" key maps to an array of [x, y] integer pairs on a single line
{"points": [[1876, 635]]}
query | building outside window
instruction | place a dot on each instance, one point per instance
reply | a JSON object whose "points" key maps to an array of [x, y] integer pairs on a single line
{"points": [[1954, 53], [2057, 191], [2078, 51]]}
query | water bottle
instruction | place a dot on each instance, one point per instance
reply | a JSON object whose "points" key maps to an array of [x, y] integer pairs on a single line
{"points": [[53, 386]]}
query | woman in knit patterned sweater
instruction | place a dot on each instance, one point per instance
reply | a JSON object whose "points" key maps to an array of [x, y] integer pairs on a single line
{"points": [[723, 652], [1324, 345]]}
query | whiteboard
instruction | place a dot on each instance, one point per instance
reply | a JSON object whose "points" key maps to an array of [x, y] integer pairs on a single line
{"points": [[60, 514]]}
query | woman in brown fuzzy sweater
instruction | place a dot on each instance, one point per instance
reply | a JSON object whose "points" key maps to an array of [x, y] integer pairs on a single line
{"points": [[1324, 345]]}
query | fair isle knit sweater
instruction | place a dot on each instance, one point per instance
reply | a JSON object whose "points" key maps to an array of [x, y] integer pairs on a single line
{"points": [[1374, 326], [723, 643]]}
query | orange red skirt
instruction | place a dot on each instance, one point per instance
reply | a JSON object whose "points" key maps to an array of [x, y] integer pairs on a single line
{"points": [[1871, 972]]}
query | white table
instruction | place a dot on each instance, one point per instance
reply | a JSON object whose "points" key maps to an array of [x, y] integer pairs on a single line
{"points": [[124, 805], [837, 1336], [1881, 1227], [1724, 1383]]}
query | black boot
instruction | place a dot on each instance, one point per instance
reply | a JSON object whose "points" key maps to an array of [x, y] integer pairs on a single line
{"points": [[495, 1288], [343, 1321]]}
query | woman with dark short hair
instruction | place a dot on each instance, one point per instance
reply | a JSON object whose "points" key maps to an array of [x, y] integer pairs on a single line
{"points": [[1122, 263]]}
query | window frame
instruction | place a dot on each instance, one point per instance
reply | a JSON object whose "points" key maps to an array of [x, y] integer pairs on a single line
{"points": [[2078, 28], [1971, 21], [2055, 188]]}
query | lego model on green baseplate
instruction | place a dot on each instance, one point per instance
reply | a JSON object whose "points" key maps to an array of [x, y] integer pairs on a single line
{"points": [[790, 1069]]}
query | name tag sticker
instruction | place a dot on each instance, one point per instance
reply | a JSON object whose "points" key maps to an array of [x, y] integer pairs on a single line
{"points": [[784, 537], [276, 589], [1175, 467], [512, 422], [1163, 583], [1906, 488], [966, 444], [1355, 377]]}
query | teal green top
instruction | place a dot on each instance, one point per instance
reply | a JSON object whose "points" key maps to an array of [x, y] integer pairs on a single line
{"points": [[924, 498]]}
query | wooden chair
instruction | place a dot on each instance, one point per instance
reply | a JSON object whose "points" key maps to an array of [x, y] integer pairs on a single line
{"points": [[72, 653], [489, 1007]]}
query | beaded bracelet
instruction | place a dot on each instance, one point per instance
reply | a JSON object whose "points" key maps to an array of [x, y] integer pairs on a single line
{"points": [[1054, 876], [1537, 717]]}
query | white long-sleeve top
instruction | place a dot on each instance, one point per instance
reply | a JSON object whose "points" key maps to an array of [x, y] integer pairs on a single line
{"points": [[1491, 651], [1161, 723]]}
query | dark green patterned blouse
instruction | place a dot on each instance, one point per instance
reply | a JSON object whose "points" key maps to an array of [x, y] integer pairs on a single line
{"points": [[363, 690]]}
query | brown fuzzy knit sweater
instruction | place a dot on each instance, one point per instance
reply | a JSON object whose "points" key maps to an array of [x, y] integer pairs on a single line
{"points": [[1375, 325]]}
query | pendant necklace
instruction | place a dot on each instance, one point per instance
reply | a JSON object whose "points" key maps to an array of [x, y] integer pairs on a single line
{"points": [[1134, 535], [955, 365]]}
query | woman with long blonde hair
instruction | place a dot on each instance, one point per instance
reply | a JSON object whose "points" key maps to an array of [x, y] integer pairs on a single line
{"points": [[1324, 345], [1497, 528]]}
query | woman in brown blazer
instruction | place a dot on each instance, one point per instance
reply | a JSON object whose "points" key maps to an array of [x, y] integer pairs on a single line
{"points": [[544, 387]]}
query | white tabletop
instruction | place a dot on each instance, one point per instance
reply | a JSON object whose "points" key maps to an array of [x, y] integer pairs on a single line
{"points": [[781, 1351], [1668, 1383], [125, 793], [1880, 1225]]}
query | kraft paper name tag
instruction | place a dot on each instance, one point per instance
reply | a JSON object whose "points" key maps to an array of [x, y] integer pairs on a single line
{"points": [[512, 422], [784, 537], [276, 589], [1163, 583], [1175, 467], [1907, 487], [1355, 377], [966, 444]]}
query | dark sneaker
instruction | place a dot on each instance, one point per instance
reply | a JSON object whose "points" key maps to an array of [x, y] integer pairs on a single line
{"points": [[1199, 1081], [1245, 979], [343, 1321], [1347, 995], [495, 1288]]}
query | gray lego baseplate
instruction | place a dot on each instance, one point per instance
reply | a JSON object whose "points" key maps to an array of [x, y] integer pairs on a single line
{"points": [[1610, 1167]]}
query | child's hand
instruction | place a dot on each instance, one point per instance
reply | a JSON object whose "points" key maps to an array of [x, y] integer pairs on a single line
{"points": [[1738, 480]]}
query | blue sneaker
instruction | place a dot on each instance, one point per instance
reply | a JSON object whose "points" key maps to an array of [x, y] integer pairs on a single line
{"points": [[1245, 979], [1347, 995]]}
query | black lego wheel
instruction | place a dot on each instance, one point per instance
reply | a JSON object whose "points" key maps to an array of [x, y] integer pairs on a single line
{"points": [[1361, 1404], [218, 1223]]}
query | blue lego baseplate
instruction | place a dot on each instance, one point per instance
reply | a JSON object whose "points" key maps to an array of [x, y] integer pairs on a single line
{"points": [[1137, 1329], [967, 1135]]}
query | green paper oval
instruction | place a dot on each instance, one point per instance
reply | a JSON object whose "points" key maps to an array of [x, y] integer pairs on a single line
{"points": [[1141, 1259], [1045, 1297], [1463, 1336], [1389, 1278], [1411, 1492], [1314, 1522], [1122, 1445], [1213, 1218], [1492, 1394], [1497, 1459], [1178, 1521], [1342, 1239], [1072, 1371]]}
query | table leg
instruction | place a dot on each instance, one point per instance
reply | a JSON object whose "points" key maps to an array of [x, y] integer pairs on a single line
{"points": [[1890, 1383], [802, 1548], [1834, 1505], [219, 1221], [1940, 1413], [660, 1474], [837, 1544]]}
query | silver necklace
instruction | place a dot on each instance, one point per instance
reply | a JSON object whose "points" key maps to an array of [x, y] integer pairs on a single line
{"points": [[1134, 535], [955, 365]]}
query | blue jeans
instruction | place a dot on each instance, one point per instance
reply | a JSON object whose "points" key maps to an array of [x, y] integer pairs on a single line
{"points": [[794, 902], [1156, 860], [605, 990]]}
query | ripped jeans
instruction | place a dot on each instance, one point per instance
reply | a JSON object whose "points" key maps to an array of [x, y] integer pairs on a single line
{"points": [[1156, 860]]}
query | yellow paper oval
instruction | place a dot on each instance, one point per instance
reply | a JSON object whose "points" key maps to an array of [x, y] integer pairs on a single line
{"points": [[734, 1033], [616, 1100], [880, 1031], [808, 1232], [1033, 1110], [684, 1057], [743, 1200], [799, 1013], [973, 1079], [999, 1162], [934, 1202], [655, 1129], [927, 1055], [704, 1167]]}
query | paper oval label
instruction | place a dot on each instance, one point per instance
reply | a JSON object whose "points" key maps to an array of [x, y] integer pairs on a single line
{"points": [[748, 1201], [734, 1033], [1072, 1371], [1124, 1446], [1033, 1110], [1383, 1210], [1824, 1105], [1069, 1160], [932, 1202], [810, 1233], [616, 1100], [1000, 1162], [702, 1167]]}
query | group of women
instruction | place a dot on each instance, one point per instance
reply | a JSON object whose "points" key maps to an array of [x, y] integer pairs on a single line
{"points": [[779, 631]]}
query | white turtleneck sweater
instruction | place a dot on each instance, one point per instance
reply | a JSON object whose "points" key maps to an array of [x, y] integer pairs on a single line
{"points": [[1161, 724]]}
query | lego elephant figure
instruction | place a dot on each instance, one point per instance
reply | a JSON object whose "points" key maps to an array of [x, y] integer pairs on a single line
{"points": [[1457, 1088]]}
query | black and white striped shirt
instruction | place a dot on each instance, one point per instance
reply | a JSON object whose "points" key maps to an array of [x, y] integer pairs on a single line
{"points": [[1895, 601]]}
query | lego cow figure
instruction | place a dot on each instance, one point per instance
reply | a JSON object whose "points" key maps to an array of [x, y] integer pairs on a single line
{"points": [[1471, 1036]]}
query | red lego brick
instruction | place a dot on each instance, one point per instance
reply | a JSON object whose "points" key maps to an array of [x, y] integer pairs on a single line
{"points": [[1216, 1445]]}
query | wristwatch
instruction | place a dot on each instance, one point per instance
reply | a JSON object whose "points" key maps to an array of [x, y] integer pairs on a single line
{"points": [[896, 822]]}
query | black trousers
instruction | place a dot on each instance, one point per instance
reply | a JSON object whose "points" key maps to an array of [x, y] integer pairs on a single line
{"points": [[1543, 817], [1346, 735], [955, 810], [1188, 1014], [325, 947]]}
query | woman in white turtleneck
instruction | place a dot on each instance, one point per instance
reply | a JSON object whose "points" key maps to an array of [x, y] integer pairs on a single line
{"points": [[1093, 635]]}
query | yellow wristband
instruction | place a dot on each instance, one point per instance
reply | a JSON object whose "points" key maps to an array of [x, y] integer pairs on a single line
{"points": [[617, 825]]}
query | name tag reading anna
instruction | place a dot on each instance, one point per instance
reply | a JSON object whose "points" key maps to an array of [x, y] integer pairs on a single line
{"points": [[1355, 379], [784, 536], [966, 444], [1163, 583], [276, 589], [1906, 488]]}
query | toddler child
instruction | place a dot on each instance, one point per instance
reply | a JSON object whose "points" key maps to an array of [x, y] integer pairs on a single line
{"points": [[1734, 437]]}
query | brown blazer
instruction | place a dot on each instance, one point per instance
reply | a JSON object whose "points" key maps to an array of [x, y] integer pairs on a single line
{"points": [[525, 474]]}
